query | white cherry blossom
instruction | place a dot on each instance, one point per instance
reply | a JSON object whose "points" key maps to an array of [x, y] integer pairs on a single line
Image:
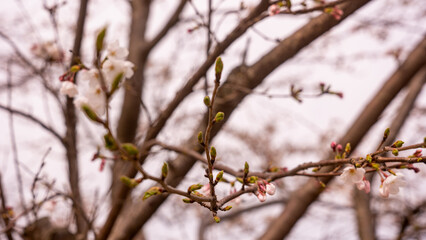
{"points": [[114, 51], [352, 175], [270, 189], [68, 88], [392, 184]]}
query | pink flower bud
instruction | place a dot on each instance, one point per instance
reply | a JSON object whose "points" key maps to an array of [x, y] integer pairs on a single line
{"points": [[333, 146], [261, 196], [270, 189], [273, 10], [339, 148], [418, 153]]}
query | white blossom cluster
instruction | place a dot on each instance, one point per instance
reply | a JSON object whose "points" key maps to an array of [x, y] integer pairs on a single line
{"points": [[390, 184], [90, 90], [48, 51]]}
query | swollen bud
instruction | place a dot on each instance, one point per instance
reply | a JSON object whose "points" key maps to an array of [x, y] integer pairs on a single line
{"points": [[164, 171], [187, 200], [219, 176], [194, 187], [216, 219], [369, 158], [397, 144], [100, 40], [130, 182], [91, 114], [395, 152], [218, 68], [219, 116], [227, 208], [207, 101], [130, 149], [246, 168], [348, 148], [200, 138], [386, 134], [110, 142], [213, 153], [152, 191]]}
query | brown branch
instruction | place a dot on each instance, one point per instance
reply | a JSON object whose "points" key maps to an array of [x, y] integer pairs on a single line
{"points": [[3, 211], [71, 131], [35, 120]]}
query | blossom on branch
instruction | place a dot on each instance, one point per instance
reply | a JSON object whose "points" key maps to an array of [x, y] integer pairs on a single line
{"points": [[392, 184], [273, 10], [352, 175], [68, 88]]}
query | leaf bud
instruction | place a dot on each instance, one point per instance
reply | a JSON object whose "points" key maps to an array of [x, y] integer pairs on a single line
{"points": [[207, 101], [219, 116], [219, 176], [164, 171]]}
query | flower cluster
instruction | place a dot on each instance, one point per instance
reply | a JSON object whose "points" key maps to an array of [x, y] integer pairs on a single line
{"points": [[95, 83], [48, 51], [264, 188], [390, 184]]}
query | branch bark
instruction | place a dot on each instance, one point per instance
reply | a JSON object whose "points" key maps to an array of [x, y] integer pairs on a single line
{"points": [[71, 130]]}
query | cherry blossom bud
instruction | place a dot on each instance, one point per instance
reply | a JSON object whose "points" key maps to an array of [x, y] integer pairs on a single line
{"points": [[418, 153], [261, 196], [227, 208], [392, 184], [274, 9], [246, 168], [216, 219], [395, 152], [339, 148], [218, 67], [386, 134], [219, 176], [333, 146], [270, 189]]}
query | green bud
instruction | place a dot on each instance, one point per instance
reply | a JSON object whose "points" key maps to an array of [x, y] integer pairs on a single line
{"points": [[116, 82], [219, 176], [213, 152], [219, 66], [348, 148], [100, 40], [194, 187], [395, 152], [216, 219], [200, 138], [322, 184], [130, 149], [164, 171], [369, 158], [207, 101], [110, 142], [130, 182], [75, 68], [397, 144], [252, 179], [227, 208], [386, 134], [240, 180], [315, 169], [152, 192], [375, 165], [246, 168], [91, 114], [219, 116], [187, 200]]}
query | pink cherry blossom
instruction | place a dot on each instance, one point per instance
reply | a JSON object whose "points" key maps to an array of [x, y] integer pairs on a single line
{"points": [[274, 9], [270, 189]]}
